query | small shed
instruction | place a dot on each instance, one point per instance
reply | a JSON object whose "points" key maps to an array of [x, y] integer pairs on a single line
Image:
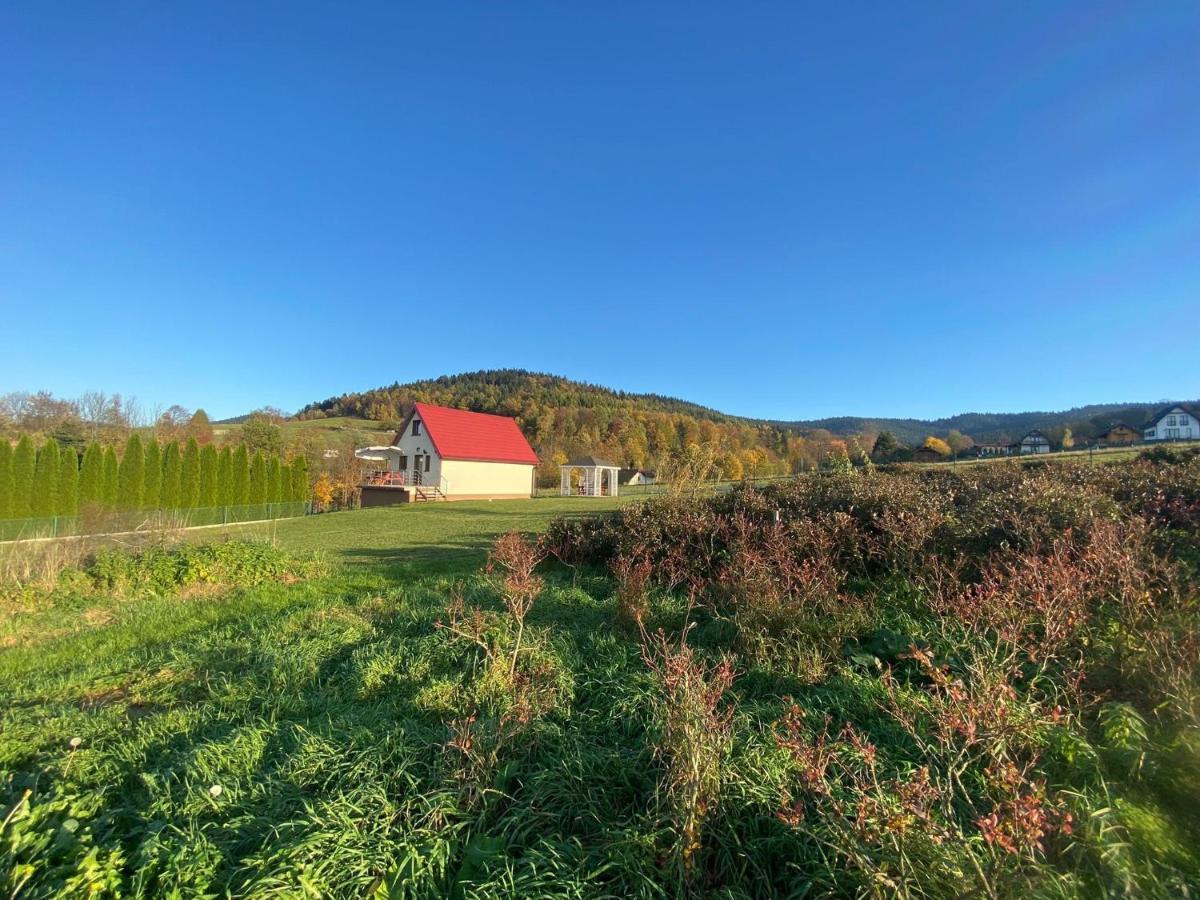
{"points": [[587, 476], [629, 477]]}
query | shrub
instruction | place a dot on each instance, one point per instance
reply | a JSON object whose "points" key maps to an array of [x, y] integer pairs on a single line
{"points": [[693, 738], [161, 571]]}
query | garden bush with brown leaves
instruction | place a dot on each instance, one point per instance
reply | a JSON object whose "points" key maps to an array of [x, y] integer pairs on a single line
{"points": [[1010, 623]]}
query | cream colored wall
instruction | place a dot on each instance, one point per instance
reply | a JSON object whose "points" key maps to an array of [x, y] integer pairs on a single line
{"points": [[487, 478]]}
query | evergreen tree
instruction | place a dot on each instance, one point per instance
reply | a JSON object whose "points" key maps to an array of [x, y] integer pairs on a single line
{"points": [[45, 480], [91, 478], [208, 477], [274, 480], [68, 483], [170, 495], [225, 477], [131, 474], [189, 482], [152, 476], [6, 479], [110, 482], [23, 464], [886, 447], [300, 478], [239, 494], [258, 480]]}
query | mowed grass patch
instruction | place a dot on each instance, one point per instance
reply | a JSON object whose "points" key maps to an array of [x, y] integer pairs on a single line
{"points": [[421, 538]]}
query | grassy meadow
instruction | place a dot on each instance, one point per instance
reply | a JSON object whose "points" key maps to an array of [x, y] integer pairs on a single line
{"points": [[944, 683]]}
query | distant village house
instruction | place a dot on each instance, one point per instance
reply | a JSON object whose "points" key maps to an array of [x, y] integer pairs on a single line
{"points": [[1119, 434], [1173, 423], [633, 477], [990, 449], [1032, 444], [927, 454]]}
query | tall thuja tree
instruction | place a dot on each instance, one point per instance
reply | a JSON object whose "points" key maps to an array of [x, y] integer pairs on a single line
{"points": [[6, 482], [131, 474], [208, 477], [110, 481], [225, 477], [274, 480], [258, 480], [239, 494], [152, 476], [68, 483], [171, 492], [300, 478], [91, 478], [24, 462], [45, 480], [189, 482]]}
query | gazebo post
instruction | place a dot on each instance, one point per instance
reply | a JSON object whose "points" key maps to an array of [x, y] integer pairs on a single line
{"points": [[614, 474]]}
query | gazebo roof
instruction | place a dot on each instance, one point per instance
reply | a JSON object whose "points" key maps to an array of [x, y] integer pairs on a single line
{"points": [[590, 462]]}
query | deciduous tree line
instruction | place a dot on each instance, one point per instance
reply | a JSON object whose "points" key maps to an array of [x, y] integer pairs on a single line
{"points": [[47, 481]]}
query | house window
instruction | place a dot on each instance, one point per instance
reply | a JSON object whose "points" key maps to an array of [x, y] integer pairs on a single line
{"points": [[1149, 433], [416, 431], [1170, 420], [402, 466], [1183, 420], [426, 462]]}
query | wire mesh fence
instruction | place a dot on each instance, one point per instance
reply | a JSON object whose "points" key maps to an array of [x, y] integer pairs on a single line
{"points": [[123, 521]]}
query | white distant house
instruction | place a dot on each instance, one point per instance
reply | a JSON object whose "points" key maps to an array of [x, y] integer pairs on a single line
{"points": [[441, 453], [1033, 443], [1173, 423], [630, 477]]}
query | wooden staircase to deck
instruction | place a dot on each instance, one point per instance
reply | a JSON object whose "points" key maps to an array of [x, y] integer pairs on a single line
{"points": [[427, 493]]}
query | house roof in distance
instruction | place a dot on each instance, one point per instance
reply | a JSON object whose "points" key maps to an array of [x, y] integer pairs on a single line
{"points": [[1115, 426], [1187, 408], [480, 437], [589, 462]]}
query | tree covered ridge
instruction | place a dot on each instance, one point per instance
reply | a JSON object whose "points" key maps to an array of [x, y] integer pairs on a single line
{"points": [[563, 418], [503, 391]]}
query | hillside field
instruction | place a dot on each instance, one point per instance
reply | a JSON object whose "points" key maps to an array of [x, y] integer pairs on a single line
{"points": [[852, 695]]}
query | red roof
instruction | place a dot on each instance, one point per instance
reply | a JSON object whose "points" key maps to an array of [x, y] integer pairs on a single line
{"points": [[461, 434]]}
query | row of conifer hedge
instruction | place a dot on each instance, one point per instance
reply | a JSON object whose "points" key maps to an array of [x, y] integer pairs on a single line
{"points": [[49, 481]]}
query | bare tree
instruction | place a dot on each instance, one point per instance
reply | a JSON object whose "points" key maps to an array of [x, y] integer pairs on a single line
{"points": [[94, 410]]}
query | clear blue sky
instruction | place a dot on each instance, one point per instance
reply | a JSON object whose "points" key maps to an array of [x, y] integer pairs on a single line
{"points": [[781, 210]]}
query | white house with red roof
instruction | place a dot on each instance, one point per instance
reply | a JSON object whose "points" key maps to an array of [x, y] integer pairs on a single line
{"points": [[441, 453]]}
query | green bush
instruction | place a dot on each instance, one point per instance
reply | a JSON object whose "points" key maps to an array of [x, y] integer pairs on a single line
{"points": [[164, 570]]}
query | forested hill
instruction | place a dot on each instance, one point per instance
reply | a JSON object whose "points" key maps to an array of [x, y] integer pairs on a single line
{"points": [[506, 391], [1084, 421], [563, 418]]}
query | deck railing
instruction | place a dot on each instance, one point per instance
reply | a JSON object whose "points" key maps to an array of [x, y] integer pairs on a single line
{"points": [[384, 478]]}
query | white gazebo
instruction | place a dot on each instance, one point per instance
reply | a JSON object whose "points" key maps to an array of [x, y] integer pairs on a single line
{"points": [[596, 477]]}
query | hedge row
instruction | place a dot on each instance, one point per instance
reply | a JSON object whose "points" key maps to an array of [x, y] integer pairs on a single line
{"points": [[49, 481]]}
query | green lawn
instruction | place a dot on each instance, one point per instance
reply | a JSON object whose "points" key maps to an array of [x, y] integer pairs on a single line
{"points": [[421, 538]]}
